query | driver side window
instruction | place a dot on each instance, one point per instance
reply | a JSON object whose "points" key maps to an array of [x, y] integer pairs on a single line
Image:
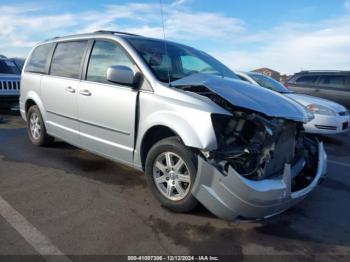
{"points": [[105, 54]]}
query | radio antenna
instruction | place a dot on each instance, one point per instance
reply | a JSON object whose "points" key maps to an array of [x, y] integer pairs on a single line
{"points": [[165, 43]]}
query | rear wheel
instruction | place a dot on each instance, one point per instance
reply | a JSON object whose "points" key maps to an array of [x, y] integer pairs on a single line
{"points": [[36, 128], [171, 170]]}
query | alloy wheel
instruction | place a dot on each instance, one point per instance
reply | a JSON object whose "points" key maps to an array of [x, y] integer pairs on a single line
{"points": [[171, 176], [35, 126]]}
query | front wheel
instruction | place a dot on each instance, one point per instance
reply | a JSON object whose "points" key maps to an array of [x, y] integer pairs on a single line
{"points": [[171, 170]]}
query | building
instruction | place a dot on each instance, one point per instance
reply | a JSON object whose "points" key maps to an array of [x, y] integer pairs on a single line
{"points": [[269, 72], [272, 73], [284, 78]]}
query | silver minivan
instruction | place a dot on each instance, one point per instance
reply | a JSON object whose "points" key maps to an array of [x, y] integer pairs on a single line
{"points": [[176, 113]]}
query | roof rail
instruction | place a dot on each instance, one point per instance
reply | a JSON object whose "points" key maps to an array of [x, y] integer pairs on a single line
{"points": [[114, 32], [96, 32]]}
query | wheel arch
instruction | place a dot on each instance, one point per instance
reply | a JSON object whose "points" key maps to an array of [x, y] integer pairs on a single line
{"points": [[33, 99], [29, 103], [151, 137]]}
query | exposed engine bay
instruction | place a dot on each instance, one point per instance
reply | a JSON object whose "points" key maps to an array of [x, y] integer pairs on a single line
{"points": [[257, 146]]}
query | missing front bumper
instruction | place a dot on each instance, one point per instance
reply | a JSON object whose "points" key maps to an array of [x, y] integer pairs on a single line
{"points": [[233, 195]]}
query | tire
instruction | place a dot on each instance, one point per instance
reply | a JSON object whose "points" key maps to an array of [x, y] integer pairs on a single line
{"points": [[172, 184], [36, 128]]}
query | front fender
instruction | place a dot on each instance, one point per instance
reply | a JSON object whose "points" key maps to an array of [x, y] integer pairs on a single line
{"points": [[187, 114], [195, 129]]}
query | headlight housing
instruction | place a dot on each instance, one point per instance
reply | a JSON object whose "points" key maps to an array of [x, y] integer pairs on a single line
{"points": [[321, 110]]}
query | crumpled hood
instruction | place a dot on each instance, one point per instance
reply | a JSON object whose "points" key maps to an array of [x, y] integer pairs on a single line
{"points": [[249, 96], [306, 100]]}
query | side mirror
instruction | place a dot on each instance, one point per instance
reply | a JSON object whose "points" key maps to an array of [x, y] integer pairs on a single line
{"points": [[122, 75]]}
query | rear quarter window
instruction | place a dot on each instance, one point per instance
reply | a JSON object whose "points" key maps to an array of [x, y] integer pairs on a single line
{"points": [[336, 81], [38, 60]]}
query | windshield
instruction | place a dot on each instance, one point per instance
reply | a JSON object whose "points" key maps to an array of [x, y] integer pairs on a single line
{"points": [[177, 60], [8, 67], [269, 83]]}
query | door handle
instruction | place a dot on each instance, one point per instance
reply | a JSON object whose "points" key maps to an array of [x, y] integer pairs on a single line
{"points": [[85, 93], [70, 89], [317, 90]]}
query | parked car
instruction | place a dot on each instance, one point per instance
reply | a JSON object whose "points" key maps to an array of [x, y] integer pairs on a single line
{"points": [[330, 117], [332, 85], [9, 83], [19, 62], [179, 115]]}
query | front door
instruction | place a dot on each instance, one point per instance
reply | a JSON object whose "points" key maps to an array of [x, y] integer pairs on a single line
{"points": [[107, 110]]}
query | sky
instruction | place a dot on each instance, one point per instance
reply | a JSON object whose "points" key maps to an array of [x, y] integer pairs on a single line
{"points": [[287, 36]]}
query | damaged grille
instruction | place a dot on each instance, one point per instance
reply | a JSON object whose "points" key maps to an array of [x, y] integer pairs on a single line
{"points": [[256, 147], [283, 152]]}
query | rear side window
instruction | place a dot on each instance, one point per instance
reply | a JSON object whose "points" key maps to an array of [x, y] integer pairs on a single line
{"points": [[333, 81], [306, 80], [67, 59], [105, 54], [38, 60]]}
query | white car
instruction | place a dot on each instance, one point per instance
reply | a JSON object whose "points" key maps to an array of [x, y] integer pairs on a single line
{"points": [[330, 117]]}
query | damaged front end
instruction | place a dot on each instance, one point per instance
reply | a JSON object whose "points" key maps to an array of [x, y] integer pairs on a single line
{"points": [[264, 162], [261, 167]]}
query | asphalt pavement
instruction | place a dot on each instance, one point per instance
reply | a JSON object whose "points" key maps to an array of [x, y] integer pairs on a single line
{"points": [[65, 200]]}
